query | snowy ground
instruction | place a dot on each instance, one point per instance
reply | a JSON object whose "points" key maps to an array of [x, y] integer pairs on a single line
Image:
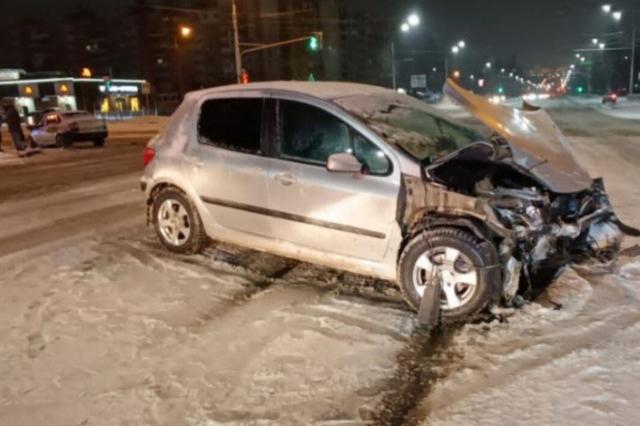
{"points": [[101, 326]]}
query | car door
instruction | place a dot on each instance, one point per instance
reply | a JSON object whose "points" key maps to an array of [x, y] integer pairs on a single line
{"points": [[46, 131], [352, 214], [227, 166]]}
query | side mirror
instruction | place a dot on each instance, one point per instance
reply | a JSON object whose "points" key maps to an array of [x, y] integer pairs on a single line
{"points": [[344, 163]]}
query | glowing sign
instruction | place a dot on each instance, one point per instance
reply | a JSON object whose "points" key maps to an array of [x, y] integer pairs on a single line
{"points": [[114, 88]]}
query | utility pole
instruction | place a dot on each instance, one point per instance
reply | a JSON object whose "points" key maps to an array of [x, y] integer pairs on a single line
{"points": [[236, 41], [393, 66], [633, 60]]}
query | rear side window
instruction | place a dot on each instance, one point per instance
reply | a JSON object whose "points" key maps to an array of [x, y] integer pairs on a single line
{"points": [[233, 124]]}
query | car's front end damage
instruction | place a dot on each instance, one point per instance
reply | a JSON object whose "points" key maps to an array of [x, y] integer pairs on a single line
{"points": [[532, 229], [537, 206]]}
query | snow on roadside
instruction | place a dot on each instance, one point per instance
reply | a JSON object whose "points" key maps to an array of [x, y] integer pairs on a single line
{"points": [[573, 366], [116, 321]]}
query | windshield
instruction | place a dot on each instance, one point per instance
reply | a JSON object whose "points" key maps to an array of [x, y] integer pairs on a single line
{"points": [[411, 125]]}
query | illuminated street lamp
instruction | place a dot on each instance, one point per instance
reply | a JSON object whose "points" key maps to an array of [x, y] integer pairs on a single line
{"points": [[601, 46], [617, 16], [456, 74], [455, 50], [462, 44], [413, 20], [185, 31], [594, 40], [488, 65]]}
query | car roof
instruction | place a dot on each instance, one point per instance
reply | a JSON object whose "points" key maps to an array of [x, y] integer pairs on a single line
{"points": [[318, 89]]}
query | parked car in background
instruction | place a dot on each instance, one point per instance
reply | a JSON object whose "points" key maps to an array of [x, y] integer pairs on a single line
{"points": [[63, 129], [364, 179], [610, 98]]}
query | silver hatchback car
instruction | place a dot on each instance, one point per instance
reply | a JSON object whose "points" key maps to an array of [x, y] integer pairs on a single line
{"points": [[363, 179]]}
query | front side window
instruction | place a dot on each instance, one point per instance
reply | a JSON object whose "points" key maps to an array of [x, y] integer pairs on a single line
{"points": [[310, 135], [233, 124]]}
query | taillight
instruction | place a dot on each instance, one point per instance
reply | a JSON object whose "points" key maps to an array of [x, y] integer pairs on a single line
{"points": [[148, 155]]}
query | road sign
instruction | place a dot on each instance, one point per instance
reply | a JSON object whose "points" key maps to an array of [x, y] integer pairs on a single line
{"points": [[419, 81]]}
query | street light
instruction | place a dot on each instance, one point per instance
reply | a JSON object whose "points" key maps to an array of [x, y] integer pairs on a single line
{"points": [[488, 65], [413, 20], [606, 8], [617, 15], [455, 50], [601, 46], [594, 40], [185, 31], [462, 44]]}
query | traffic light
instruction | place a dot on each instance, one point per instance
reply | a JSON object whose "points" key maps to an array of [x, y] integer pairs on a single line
{"points": [[315, 41], [500, 90], [244, 77], [580, 89]]}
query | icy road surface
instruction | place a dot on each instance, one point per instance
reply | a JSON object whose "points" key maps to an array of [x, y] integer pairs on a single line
{"points": [[101, 326]]}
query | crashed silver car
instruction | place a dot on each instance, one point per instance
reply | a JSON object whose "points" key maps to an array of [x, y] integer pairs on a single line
{"points": [[364, 179]]}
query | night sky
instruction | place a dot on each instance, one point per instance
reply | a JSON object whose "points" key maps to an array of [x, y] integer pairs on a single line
{"points": [[538, 32]]}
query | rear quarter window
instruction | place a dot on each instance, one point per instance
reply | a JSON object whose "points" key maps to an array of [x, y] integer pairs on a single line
{"points": [[232, 124]]}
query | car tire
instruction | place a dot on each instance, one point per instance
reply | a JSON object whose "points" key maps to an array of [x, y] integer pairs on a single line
{"points": [[455, 254], [63, 141], [181, 231], [98, 143]]}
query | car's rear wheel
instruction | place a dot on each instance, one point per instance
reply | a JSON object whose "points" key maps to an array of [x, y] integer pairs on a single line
{"points": [[63, 141], [462, 265], [177, 223]]}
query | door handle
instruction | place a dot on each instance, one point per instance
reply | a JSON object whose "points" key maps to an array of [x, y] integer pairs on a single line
{"points": [[285, 179]]}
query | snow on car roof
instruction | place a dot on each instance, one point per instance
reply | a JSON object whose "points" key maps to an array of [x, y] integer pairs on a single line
{"points": [[318, 89]]}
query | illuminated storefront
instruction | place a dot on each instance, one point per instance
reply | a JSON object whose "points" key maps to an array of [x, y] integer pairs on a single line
{"points": [[98, 95]]}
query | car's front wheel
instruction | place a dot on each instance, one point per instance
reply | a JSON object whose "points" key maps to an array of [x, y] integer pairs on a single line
{"points": [[177, 223], [459, 261]]}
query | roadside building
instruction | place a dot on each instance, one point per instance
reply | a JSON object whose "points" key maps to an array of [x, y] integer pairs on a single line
{"points": [[32, 92]]}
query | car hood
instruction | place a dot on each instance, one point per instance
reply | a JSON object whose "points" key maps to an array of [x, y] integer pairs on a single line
{"points": [[536, 142]]}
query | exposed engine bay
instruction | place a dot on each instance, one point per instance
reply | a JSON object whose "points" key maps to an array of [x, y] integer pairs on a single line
{"points": [[532, 227]]}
